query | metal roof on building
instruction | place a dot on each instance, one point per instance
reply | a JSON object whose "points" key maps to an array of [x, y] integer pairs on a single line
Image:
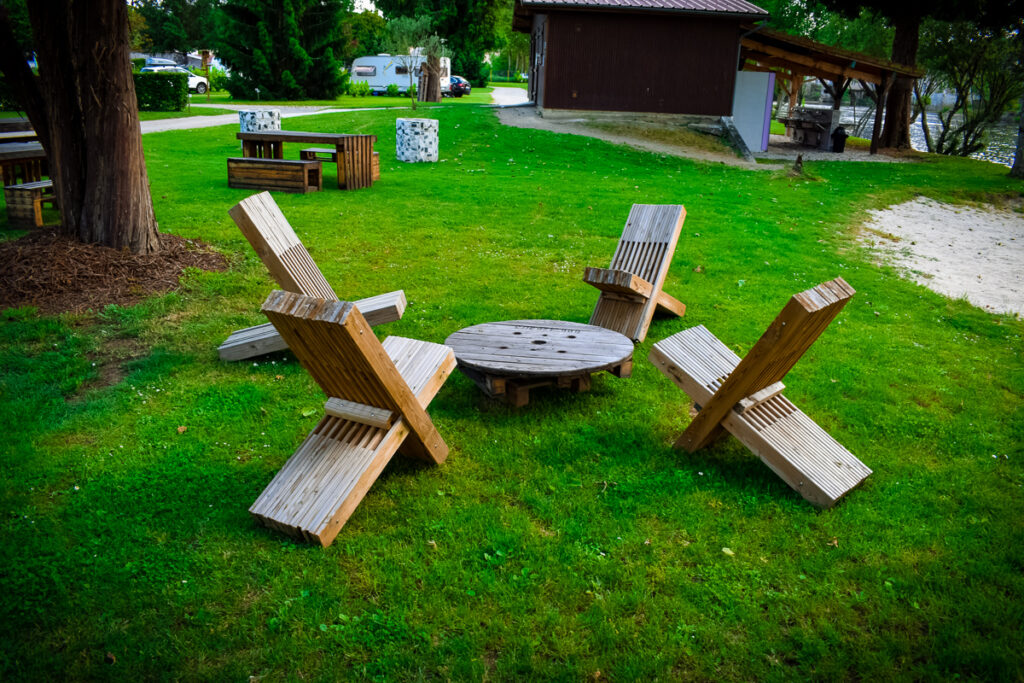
{"points": [[731, 7]]}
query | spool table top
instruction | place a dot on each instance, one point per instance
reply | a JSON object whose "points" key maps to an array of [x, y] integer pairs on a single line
{"points": [[539, 348]]}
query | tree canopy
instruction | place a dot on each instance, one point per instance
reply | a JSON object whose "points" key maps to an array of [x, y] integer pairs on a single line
{"points": [[176, 25], [284, 48], [469, 26]]}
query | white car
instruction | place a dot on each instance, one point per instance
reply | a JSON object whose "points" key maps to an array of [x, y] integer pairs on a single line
{"points": [[197, 83]]}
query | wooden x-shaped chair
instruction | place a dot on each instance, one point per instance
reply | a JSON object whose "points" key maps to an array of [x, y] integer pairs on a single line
{"points": [[631, 286], [269, 233], [377, 399], [745, 396]]}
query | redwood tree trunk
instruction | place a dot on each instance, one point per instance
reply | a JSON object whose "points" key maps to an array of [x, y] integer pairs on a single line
{"points": [[83, 105], [433, 89], [898, 104]]}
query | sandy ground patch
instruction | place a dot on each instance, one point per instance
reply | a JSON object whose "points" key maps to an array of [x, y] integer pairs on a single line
{"points": [[958, 251]]}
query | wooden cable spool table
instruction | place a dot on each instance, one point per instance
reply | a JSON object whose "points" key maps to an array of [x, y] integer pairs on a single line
{"points": [[507, 359]]}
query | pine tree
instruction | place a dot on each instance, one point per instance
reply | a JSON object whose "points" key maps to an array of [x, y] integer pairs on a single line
{"points": [[283, 48]]}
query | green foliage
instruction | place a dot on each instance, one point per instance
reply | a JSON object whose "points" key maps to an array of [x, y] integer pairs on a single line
{"points": [[138, 63], [985, 70], [176, 25], [359, 88], [218, 79], [471, 28], [392, 90], [161, 91], [286, 49], [363, 33], [557, 540]]}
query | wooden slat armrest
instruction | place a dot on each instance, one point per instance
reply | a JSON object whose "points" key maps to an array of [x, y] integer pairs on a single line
{"points": [[609, 280]]}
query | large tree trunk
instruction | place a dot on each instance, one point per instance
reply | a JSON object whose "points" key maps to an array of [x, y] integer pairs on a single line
{"points": [[83, 106], [897, 106], [1018, 159], [432, 70]]}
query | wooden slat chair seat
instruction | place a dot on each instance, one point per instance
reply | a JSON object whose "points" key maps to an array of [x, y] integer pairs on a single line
{"points": [[377, 399], [631, 286], [268, 231], [25, 202], [744, 397]]}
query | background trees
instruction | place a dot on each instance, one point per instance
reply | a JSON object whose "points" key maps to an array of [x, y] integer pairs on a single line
{"points": [[82, 106], [469, 26], [284, 49], [984, 70], [180, 26]]}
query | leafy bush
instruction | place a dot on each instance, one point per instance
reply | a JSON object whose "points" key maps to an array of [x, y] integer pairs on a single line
{"points": [[360, 88], [412, 90], [137, 64], [161, 91], [218, 79], [392, 90]]}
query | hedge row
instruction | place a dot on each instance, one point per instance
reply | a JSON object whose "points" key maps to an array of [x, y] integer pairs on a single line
{"points": [[161, 91]]}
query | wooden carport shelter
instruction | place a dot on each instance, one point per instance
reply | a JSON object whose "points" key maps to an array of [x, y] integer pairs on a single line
{"points": [[793, 59]]}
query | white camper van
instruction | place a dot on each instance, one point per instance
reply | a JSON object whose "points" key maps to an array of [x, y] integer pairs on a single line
{"points": [[380, 71]]}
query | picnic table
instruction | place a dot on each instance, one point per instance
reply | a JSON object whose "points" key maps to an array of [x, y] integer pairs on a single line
{"points": [[507, 359], [22, 160], [354, 152], [18, 136]]}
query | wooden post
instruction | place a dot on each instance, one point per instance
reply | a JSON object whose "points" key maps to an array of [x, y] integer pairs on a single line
{"points": [[881, 91]]}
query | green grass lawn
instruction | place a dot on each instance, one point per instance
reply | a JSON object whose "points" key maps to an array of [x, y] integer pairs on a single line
{"points": [[559, 540]]}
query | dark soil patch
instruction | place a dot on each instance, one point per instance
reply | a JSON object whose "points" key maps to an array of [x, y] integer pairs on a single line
{"points": [[55, 273], [109, 363]]}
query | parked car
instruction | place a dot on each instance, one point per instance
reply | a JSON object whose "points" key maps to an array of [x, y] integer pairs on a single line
{"points": [[197, 83], [460, 86]]}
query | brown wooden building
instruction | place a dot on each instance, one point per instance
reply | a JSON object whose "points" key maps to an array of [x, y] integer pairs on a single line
{"points": [[663, 56]]}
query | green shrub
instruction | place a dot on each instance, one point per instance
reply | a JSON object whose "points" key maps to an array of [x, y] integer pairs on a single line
{"points": [[218, 79], [137, 64], [392, 90], [360, 88], [412, 90], [161, 91]]}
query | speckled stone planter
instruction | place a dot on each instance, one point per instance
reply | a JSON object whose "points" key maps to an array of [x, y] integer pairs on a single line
{"points": [[259, 121], [416, 139]]}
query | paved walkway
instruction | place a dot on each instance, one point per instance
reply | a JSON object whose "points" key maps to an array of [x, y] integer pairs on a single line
{"points": [[503, 97], [188, 122]]}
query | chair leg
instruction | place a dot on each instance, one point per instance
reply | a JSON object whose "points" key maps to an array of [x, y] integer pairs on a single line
{"points": [[667, 303]]}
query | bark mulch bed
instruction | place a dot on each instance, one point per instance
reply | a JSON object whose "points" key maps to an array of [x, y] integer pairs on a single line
{"points": [[56, 273]]}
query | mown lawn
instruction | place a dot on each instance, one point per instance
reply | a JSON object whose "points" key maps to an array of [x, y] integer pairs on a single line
{"points": [[565, 540]]}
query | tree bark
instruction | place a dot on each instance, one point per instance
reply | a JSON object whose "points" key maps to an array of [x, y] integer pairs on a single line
{"points": [[896, 133], [84, 109], [432, 68], [1018, 158]]}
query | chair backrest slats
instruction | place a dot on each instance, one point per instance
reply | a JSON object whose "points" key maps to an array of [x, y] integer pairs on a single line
{"points": [[335, 344], [270, 234], [649, 231]]}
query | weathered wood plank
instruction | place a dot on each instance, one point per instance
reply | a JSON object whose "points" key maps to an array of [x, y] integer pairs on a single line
{"points": [[632, 285], [320, 486], [801, 453]]}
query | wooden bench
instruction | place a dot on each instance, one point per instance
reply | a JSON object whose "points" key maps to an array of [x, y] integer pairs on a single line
{"points": [[285, 175], [631, 286], [331, 154], [744, 397], [268, 231], [25, 202], [377, 395]]}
